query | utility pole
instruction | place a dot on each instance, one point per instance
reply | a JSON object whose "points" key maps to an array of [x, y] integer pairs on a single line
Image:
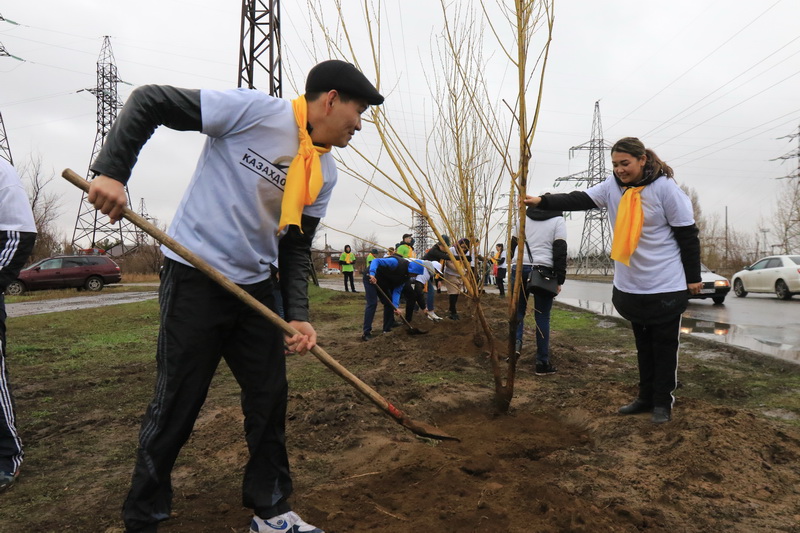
{"points": [[594, 253], [90, 223], [260, 44]]}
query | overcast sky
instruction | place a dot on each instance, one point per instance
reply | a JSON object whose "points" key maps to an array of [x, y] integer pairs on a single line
{"points": [[710, 85]]}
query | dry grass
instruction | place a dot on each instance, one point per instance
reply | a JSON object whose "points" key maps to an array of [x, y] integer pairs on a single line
{"points": [[139, 278]]}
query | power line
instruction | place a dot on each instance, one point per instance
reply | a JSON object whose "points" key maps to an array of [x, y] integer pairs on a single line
{"points": [[728, 109], [738, 134], [696, 64], [728, 83], [730, 145]]}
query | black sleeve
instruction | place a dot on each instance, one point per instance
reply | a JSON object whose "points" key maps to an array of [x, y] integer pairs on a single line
{"points": [[500, 262], [147, 108], [560, 260], [571, 201], [294, 262], [689, 244], [15, 248], [435, 254]]}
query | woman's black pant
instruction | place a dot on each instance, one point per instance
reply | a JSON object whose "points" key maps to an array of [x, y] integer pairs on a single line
{"points": [[657, 354]]}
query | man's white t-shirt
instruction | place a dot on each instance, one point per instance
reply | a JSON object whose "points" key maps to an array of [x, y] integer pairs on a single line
{"points": [[655, 265], [15, 208], [230, 211]]}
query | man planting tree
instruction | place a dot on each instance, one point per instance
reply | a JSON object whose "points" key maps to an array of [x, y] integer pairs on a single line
{"points": [[243, 210]]}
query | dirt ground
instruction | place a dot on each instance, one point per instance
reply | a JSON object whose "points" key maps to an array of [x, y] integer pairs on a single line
{"points": [[561, 460]]}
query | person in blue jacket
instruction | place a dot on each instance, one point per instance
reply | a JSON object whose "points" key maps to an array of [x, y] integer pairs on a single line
{"points": [[390, 275]]}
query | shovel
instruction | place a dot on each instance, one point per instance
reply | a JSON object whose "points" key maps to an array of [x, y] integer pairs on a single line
{"points": [[411, 329], [418, 428]]}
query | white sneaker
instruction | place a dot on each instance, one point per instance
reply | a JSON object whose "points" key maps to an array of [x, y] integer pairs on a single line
{"points": [[433, 317], [285, 523]]}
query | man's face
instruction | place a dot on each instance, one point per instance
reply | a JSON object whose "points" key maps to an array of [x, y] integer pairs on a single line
{"points": [[341, 121]]}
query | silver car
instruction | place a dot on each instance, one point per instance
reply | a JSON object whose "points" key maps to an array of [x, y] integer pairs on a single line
{"points": [[777, 273]]}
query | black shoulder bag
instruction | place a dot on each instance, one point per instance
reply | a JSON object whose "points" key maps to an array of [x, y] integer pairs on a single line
{"points": [[542, 280]]}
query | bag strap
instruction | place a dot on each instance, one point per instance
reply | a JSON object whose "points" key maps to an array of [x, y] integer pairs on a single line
{"points": [[530, 255]]}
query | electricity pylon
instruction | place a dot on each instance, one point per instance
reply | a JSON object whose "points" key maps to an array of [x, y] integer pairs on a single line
{"points": [[595, 250], [421, 234], [795, 154], [5, 149], [90, 223], [261, 44]]}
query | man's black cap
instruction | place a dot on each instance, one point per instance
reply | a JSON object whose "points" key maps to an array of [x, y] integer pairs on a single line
{"points": [[407, 235], [344, 77]]}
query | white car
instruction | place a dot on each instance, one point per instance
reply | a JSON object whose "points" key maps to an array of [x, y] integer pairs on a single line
{"points": [[715, 286], [327, 270], [777, 273]]}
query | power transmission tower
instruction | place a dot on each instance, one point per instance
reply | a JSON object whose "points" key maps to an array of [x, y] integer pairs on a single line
{"points": [[5, 149], [261, 44], [594, 253], [791, 155], [90, 223], [421, 234], [141, 236]]}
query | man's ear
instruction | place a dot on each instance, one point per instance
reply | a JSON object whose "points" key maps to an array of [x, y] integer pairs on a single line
{"points": [[331, 97]]}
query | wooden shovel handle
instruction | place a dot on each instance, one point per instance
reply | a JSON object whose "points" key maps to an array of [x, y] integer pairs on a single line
{"points": [[270, 315]]}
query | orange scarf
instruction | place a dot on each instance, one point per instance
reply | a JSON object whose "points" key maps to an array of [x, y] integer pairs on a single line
{"points": [[304, 177], [628, 228]]}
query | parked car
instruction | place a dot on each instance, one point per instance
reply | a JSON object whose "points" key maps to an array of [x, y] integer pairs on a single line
{"points": [[715, 286], [326, 270], [90, 272], [777, 273]]}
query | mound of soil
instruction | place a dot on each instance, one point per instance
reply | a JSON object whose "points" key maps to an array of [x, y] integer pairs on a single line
{"points": [[561, 460]]}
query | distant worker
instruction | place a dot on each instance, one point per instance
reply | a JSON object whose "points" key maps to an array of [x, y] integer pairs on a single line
{"points": [[390, 275], [500, 264], [415, 295], [348, 260]]}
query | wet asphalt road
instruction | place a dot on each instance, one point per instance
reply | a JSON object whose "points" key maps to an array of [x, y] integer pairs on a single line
{"points": [[759, 322]]}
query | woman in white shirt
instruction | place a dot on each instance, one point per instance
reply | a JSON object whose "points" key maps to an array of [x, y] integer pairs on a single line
{"points": [[656, 250]]}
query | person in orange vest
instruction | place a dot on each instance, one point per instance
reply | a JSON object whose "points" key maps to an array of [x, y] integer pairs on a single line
{"points": [[347, 260]]}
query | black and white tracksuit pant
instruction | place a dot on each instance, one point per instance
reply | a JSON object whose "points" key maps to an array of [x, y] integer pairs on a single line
{"points": [[10, 443], [200, 324]]}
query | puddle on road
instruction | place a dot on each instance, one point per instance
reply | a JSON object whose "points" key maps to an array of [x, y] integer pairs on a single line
{"points": [[777, 342], [78, 302]]}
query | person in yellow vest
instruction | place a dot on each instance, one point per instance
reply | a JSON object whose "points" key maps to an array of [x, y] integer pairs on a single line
{"points": [[370, 256], [408, 240], [347, 261]]}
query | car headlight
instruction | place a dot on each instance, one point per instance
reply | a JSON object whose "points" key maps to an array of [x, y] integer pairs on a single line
{"points": [[722, 283]]}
